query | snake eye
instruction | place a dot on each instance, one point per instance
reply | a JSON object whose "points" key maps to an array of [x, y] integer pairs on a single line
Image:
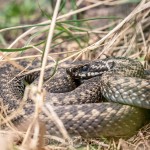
{"points": [[85, 68]]}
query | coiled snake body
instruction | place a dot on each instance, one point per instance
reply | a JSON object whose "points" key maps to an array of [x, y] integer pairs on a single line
{"points": [[108, 97]]}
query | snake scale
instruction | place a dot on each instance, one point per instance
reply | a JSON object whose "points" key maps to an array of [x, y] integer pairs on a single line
{"points": [[108, 97]]}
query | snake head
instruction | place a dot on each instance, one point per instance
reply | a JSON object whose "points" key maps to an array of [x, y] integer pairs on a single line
{"points": [[89, 70], [79, 71]]}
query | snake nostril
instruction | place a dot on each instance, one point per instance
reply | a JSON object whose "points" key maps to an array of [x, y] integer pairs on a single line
{"points": [[111, 64], [69, 71]]}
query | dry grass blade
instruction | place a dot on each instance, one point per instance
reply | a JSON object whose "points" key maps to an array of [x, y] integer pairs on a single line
{"points": [[48, 44], [47, 48]]}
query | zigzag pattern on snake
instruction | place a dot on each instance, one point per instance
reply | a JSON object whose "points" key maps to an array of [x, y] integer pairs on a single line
{"points": [[108, 97]]}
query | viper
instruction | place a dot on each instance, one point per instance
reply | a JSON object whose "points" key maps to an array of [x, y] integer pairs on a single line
{"points": [[108, 97]]}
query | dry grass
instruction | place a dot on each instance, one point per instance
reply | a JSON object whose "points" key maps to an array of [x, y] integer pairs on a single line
{"points": [[129, 37]]}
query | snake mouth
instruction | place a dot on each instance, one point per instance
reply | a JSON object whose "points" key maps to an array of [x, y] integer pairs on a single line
{"points": [[84, 72]]}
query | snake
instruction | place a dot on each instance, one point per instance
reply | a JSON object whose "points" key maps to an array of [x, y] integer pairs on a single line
{"points": [[101, 98]]}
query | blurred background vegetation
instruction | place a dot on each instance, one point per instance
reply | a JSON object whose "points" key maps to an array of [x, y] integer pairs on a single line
{"points": [[74, 32], [16, 12], [24, 12]]}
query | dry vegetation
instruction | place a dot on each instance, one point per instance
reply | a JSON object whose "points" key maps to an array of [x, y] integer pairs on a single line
{"points": [[129, 37]]}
